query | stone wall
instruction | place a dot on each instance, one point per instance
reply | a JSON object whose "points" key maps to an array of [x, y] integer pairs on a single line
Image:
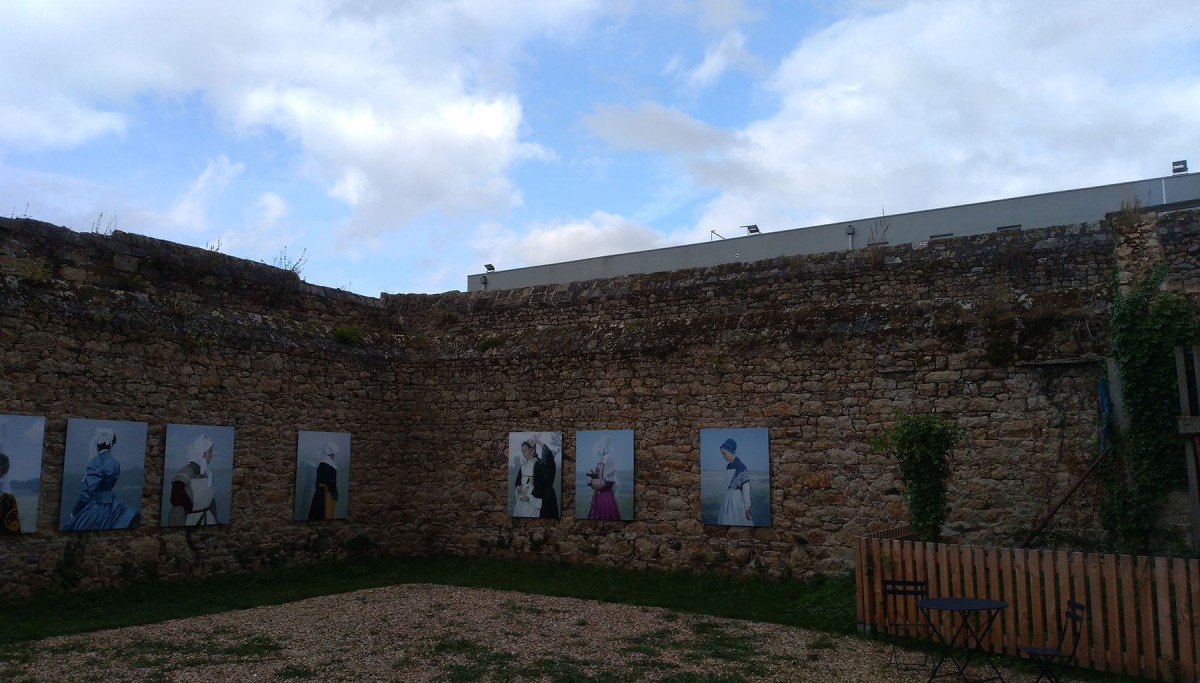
{"points": [[1005, 333], [125, 327]]}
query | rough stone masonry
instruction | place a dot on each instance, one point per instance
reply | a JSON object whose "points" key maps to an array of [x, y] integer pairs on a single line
{"points": [[1005, 333]]}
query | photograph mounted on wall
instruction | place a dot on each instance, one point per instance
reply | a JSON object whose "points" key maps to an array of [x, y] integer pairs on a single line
{"points": [[735, 477], [197, 475], [604, 474], [322, 476], [534, 474], [20, 472], [103, 470]]}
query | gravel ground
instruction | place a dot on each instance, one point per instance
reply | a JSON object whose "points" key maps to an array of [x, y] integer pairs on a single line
{"points": [[447, 633]]}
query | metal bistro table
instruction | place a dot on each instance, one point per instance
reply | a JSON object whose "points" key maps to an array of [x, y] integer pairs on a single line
{"points": [[974, 617]]}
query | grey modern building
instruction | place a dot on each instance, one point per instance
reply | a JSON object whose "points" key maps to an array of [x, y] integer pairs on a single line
{"points": [[1067, 207]]}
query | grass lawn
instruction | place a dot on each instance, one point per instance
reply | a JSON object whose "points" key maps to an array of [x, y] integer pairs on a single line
{"points": [[822, 604], [825, 604]]}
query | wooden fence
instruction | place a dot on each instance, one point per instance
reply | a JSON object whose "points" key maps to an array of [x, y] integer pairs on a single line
{"points": [[1143, 613]]}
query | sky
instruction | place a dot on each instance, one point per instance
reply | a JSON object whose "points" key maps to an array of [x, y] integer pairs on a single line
{"points": [[398, 145]]}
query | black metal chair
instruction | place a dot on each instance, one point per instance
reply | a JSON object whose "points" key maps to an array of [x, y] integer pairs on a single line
{"points": [[1052, 661], [895, 590]]}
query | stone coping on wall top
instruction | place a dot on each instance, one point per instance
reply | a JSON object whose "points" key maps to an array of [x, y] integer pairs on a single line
{"points": [[765, 272]]}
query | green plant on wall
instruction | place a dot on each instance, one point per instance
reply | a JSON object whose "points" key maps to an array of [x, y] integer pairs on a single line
{"points": [[35, 272], [1146, 326], [350, 335], [921, 444]]}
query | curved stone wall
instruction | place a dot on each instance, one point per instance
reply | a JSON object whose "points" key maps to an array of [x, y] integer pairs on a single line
{"points": [[1006, 333]]}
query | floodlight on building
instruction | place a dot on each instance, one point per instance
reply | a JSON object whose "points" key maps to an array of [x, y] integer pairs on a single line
{"points": [[489, 267], [751, 229], [1179, 166]]}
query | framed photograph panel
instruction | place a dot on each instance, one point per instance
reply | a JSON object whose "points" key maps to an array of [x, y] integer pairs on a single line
{"points": [[197, 475], [322, 476], [604, 474], [735, 477], [21, 440], [534, 474], [103, 471]]}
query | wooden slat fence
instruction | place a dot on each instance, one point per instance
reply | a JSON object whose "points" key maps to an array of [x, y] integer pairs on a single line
{"points": [[1143, 613]]}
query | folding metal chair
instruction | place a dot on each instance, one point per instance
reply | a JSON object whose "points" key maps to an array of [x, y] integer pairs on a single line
{"points": [[1052, 661], [895, 590]]}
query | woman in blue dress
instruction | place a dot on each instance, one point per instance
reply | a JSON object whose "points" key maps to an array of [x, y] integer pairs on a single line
{"points": [[98, 507], [735, 511]]}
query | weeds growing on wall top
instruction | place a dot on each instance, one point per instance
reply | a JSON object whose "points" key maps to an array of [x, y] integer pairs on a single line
{"points": [[99, 227], [296, 265]]}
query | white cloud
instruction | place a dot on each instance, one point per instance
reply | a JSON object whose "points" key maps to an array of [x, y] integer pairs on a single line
{"points": [[933, 104], [722, 18], [729, 53], [722, 14], [54, 125], [407, 117], [652, 126], [600, 234], [190, 213], [398, 109], [269, 211], [59, 199]]}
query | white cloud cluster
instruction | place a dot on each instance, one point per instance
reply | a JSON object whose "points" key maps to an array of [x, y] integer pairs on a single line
{"points": [[395, 108], [599, 234], [651, 126], [933, 104], [408, 115], [905, 106]]}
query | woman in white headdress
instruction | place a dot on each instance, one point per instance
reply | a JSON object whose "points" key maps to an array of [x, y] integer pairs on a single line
{"points": [[192, 501], [527, 505], [325, 493], [602, 479], [98, 507]]}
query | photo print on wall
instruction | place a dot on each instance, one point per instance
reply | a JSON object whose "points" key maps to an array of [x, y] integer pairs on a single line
{"points": [[604, 474], [21, 439], [197, 475], [534, 474], [103, 471], [322, 476], [735, 477]]}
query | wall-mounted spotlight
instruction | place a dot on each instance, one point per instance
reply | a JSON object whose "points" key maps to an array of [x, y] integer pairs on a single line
{"points": [[489, 267], [1179, 166], [483, 281], [751, 229]]}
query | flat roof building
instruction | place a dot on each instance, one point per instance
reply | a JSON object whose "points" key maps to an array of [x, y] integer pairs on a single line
{"points": [[1067, 207]]}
